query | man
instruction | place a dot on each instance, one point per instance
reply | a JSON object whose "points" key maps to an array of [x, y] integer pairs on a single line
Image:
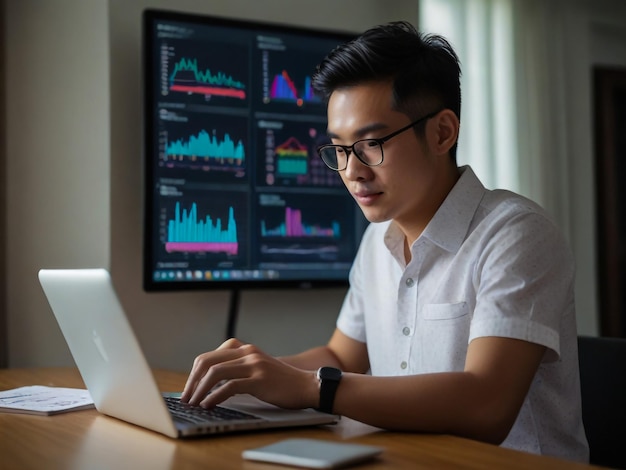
{"points": [[461, 299]]}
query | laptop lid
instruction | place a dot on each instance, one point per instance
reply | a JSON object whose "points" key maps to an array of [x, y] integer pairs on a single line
{"points": [[114, 368]]}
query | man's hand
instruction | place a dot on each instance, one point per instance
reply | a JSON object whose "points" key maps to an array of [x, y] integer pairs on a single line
{"points": [[236, 368]]}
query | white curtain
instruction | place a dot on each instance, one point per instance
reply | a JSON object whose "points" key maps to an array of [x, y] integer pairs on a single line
{"points": [[511, 124]]}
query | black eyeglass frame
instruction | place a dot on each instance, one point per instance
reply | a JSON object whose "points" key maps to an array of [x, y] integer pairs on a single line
{"points": [[349, 149]]}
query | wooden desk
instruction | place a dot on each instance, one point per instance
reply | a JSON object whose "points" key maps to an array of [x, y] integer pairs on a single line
{"points": [[89, 440]]}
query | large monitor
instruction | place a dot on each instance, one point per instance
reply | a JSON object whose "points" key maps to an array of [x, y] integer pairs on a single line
{"points": [[235, 194]]}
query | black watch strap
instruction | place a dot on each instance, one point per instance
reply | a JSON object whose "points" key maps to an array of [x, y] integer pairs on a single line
{"points": [[329, 378]]}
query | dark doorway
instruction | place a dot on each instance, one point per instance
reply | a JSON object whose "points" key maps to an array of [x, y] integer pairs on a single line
{"points": [[610, 164]]}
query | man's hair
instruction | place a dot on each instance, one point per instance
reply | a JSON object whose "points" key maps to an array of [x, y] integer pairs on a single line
{"points": [[423, 68]]}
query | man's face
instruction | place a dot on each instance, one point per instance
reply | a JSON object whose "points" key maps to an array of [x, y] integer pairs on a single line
{"points": [[406, 186]]}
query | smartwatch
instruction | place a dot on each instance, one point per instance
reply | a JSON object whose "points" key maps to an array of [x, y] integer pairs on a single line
{"points": [[329, 378]]}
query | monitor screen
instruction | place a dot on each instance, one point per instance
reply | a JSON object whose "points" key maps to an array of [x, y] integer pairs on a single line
{"points": [[235, 193]]}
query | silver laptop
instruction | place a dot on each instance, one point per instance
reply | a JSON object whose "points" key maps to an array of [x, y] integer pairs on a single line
{"points": [[117, 374]]}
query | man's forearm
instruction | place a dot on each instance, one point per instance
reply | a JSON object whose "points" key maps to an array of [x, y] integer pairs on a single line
{"points": [[313, 359]]}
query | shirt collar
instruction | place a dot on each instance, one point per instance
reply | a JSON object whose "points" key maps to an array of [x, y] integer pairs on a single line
{"points": [[450, 224]]}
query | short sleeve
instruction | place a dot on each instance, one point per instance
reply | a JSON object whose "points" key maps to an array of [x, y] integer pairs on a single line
{"points": [[525, 280]]}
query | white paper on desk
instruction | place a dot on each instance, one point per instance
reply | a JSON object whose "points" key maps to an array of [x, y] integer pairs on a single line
{"points": [[42, 400]]}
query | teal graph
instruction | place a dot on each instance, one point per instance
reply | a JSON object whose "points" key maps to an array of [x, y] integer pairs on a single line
{"points": [[204, 145], [204, 82], [185, 233]]}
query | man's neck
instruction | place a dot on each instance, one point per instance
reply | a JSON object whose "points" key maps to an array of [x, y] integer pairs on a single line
{"points": [[413, 230]]}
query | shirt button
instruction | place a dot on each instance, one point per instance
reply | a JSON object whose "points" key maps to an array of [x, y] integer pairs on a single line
{"points": [[410, 282], [406, 331], [403, 365]]}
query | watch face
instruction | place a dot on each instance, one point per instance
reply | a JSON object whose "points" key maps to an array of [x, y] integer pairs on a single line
{"points": [[330, 373]]}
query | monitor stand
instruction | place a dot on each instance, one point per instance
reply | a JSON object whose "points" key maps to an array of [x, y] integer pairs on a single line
{"points": [[233, 312]]}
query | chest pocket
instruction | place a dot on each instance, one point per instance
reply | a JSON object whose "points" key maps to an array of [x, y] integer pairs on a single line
{"points": [[444, 335], [445, 311]]}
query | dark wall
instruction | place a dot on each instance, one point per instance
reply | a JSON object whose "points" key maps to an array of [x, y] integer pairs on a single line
{"points": [[610, 164], [3, 199]]}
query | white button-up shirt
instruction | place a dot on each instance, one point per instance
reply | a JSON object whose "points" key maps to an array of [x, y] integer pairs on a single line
{"points": [[489, 263]]}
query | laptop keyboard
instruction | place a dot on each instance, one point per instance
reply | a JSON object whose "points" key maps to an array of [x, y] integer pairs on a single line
{"points": [[197, 414]]}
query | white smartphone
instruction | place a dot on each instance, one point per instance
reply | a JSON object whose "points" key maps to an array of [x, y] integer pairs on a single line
{"points": [[313, 453]]}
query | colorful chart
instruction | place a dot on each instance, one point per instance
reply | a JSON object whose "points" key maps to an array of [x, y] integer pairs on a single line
{"points": [[294, 227], [185, 233], [187, 77]]}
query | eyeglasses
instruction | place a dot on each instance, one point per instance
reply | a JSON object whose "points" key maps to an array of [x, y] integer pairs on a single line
{"points": [[368, 151]]}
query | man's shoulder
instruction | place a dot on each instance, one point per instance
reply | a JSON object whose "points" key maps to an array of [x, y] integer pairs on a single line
{"points": [[507, 204]]}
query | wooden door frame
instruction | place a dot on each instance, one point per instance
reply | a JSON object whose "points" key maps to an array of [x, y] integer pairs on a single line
{"points": [[609, 85]]}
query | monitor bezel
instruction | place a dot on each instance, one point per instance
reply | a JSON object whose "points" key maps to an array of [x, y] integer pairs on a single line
{"points": [[148, 173]]}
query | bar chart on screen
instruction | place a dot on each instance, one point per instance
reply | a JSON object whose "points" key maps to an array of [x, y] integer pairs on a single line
{"points": [[187, 232]]}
